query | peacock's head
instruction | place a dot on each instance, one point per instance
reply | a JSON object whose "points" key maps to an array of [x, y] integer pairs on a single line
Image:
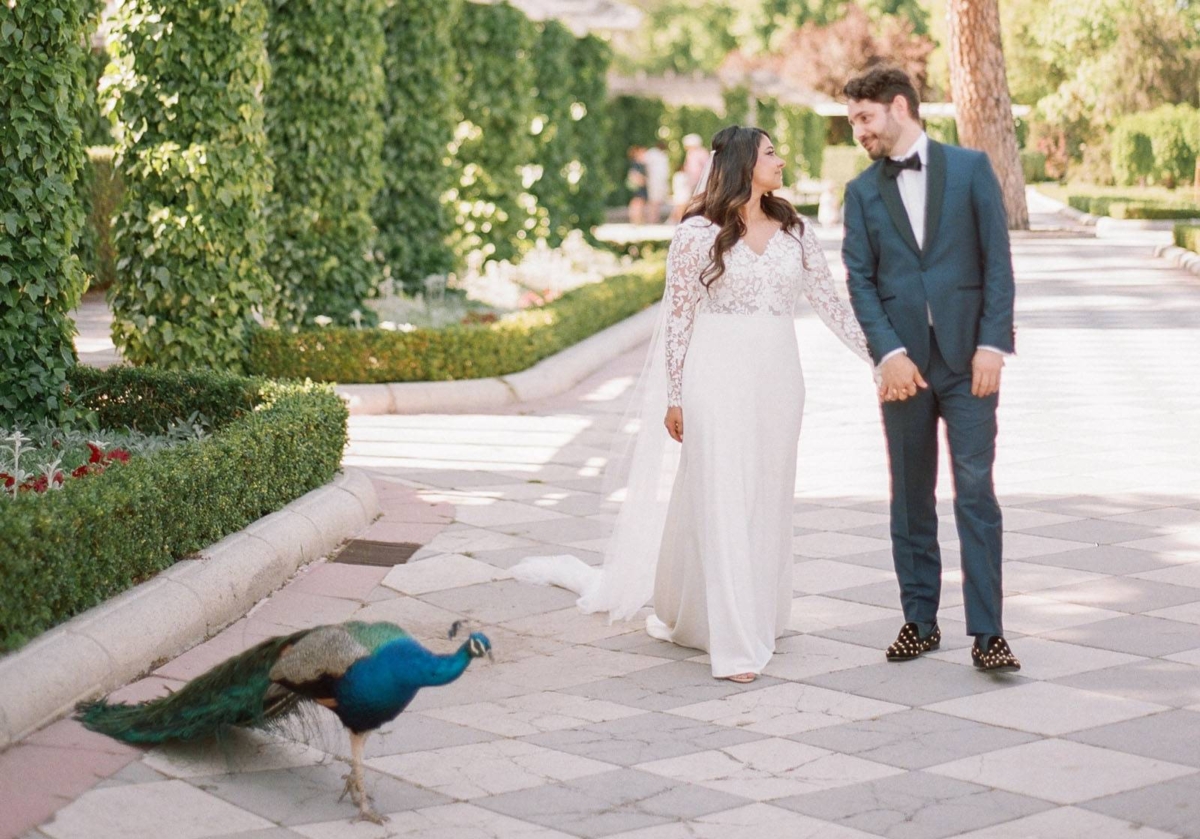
{"points": [[478, 645]]}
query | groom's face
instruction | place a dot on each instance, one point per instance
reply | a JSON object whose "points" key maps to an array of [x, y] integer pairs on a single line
{"points": [[875, 126]]}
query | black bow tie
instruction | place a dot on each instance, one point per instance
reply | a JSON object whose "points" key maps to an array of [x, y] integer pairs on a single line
{"points": [[892, 168]]}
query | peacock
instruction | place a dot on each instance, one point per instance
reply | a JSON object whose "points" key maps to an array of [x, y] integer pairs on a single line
{"points": [[366, 673]]}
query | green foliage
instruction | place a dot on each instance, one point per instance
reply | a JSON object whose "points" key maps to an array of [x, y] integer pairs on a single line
{"points": [[420, 116], [42, 92], [591, 131], [96, 127], [1123, 207], [326, 138], [799, 135], [1159, 146], [1033, 166], [842, 164], [187, 86], [493, 146], [1188, 236], [942, 129], [678, 36], [634, 121], [509, 345], [553, 127], [65, 551], [102, 189]]}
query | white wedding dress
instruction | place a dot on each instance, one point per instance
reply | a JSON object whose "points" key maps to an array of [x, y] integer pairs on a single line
{"points": [[723, 578]]}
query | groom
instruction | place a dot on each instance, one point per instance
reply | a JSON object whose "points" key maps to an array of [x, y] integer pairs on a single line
{"points": [[930, 278]]}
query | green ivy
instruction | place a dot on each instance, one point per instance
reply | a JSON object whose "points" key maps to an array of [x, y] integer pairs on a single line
{"points": [[494, 211], [326, 136], [799, 135], [101, 192], [590, 132], [187, 86], [42, 92], [420, 116], [635, 121], [1157, 147], [554, 128]]}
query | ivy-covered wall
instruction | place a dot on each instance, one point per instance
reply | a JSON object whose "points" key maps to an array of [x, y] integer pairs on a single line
{"points": [[326, 136], [592, 132], [193, 153], [553, 127], [42, 92], [420, 114], [493, 210]]}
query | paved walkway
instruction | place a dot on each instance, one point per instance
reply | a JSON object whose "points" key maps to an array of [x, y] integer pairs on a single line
{"points": [[584, 729]]}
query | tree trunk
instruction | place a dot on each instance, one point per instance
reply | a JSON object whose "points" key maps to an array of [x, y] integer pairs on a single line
{"points": [[982, 105]]}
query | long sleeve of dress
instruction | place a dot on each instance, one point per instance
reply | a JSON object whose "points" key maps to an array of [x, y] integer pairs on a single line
{"points": [[685, 260], [819, 289]]}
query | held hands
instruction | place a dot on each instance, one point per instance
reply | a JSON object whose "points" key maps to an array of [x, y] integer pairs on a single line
{"points": [[674, 423], [899, 379], [985, 372]]}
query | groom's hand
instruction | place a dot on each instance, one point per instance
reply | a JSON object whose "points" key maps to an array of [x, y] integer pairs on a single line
{"points": [[985, 372], [674, 423], [900, 379]]}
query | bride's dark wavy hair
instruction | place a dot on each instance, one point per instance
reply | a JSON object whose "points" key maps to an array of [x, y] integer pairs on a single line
{"points": [[734, 153]]}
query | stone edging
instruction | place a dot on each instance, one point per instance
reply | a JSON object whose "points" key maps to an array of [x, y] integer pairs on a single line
{"points": [[548, 377], [113, 643], [1185, 259]]}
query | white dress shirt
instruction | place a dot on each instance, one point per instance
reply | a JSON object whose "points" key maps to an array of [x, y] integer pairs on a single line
{"points": [[912, 186]]}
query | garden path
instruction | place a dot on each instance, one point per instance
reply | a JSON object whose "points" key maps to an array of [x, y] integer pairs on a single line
{"points": [[585, 729]]}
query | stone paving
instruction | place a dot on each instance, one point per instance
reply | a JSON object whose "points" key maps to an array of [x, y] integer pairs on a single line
{"points": [[582, 729]]}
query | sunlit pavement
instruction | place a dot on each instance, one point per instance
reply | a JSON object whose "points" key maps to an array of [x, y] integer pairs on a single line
{"points": [[584, 729]]}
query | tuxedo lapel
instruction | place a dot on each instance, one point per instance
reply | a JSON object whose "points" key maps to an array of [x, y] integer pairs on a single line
{"points": [[935, 188], [889, 191]]}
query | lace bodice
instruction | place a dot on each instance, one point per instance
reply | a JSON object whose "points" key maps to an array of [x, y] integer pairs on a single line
{"points": [[770, 284]]}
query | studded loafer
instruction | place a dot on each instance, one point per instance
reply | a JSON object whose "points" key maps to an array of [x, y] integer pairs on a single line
{"points": [[909, 644], [997, 658]]}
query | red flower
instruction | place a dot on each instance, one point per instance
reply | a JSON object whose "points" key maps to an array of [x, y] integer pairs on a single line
{"points": [[80, 471], [117, 455], [8, 480], [97, 454]]}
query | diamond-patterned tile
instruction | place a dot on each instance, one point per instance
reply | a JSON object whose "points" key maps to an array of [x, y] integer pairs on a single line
{"points": [[1045, 708], [915, 805], [1068, 823], [448, 821], [534, 713], [750, 822], [1173, 806], [1148, 680], [1062, 771], [786, 709], [600, 805], [1173, 736], [913, 739], [483, 769], [1133, 634], [914, 683], [666, 686]]}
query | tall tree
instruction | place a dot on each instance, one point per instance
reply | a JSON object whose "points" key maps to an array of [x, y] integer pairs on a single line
{"points": [[983, 107]]}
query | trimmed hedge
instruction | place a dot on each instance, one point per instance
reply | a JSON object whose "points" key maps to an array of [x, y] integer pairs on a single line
{"points": [[1187, 236], [326, 138], [42, 91], [1120, 207], [1159, 146], [187, 85], [1033, 166], [509, 345], [67, 550]]}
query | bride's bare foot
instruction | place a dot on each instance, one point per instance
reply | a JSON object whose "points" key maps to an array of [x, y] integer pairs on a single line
{"points": [[742, 678]]}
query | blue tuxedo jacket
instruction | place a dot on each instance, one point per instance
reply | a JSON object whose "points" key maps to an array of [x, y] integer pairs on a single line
{"points": [[963, 273]]}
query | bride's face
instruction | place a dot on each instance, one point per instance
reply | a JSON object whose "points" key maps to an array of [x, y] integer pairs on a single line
{"points": [[768, 168]]}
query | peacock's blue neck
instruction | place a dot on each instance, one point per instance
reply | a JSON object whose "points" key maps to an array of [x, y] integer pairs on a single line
{"points": [[377, 688]]}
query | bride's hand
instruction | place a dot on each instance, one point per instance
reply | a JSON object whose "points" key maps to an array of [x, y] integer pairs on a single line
{"points": [[674, 423]]}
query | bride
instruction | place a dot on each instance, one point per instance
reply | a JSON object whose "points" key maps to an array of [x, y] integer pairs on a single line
{"points": [[713, 546]]}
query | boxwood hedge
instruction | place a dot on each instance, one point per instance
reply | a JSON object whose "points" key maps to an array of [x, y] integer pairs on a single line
{"points": [[1188, 236], [65, 551], [509, 345], [1119, 207]]}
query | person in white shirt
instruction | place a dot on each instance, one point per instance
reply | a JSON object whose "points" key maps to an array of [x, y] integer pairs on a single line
{"points": [[930, 277]]}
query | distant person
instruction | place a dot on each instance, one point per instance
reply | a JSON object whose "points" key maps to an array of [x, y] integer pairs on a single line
{"points": [[658, 178], [681, 195], [635, 182], [695, 158]]}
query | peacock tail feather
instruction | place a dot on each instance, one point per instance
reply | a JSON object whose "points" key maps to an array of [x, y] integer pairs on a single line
{"points": [[238, 691]]}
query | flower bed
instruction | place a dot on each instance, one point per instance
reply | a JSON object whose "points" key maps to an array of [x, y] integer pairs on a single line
{"points": [[65, 551], [1121, 207], [471, 351]]}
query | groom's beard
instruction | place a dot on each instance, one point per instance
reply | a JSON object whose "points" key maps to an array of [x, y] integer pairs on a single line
{"points": [[883, 143]]}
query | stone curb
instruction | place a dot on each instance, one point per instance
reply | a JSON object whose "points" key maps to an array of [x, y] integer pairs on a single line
{"points": [[119, 640], [1182, 257], [550, 376]]}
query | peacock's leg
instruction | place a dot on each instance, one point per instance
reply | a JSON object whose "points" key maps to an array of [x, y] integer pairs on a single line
{"points": [[356, 782]]}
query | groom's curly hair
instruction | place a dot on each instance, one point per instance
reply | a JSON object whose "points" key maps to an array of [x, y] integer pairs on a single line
{"points": [[883, 84]]}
